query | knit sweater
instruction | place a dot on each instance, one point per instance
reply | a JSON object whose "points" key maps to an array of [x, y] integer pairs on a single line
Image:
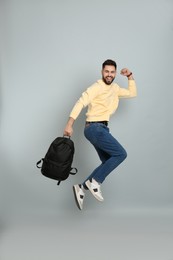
{"points": [[102, 100]]}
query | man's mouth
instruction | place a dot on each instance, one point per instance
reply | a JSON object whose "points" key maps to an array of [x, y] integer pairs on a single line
{"points": [[109, 78]]}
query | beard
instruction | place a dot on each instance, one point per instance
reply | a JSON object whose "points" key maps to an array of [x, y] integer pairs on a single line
{"points": [[108, 80]]}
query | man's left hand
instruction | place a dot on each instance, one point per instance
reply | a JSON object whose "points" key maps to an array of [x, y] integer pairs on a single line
{"points": [[125, 72]]}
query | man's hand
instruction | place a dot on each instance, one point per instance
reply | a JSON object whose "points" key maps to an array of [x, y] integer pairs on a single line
{"points": [[68, 131], [126, 72]]}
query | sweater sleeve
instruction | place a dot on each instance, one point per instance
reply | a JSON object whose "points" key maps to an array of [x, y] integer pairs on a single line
{"points": [[129, 92], [86, 97]]}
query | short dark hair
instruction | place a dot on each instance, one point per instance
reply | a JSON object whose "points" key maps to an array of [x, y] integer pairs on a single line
{"points": [[110, 63]]}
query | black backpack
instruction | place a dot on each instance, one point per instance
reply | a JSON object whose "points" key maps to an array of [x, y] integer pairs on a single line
{"points": [[58, 160]]}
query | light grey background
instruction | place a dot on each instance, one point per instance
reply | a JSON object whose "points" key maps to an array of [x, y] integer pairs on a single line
{"points": [[51, 51]]}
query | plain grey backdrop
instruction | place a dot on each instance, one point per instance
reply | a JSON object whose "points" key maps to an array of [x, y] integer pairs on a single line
{"points": [[51, 51]]}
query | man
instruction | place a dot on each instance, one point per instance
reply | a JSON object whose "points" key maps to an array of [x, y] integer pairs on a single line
{"points": [[102, 99]]}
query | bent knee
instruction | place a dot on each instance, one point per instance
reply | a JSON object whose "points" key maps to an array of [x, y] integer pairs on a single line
{"points": [[124, 155]]}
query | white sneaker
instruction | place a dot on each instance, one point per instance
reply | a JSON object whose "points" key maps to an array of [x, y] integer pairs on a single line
{"points": [[79, 195], [94, 187]]}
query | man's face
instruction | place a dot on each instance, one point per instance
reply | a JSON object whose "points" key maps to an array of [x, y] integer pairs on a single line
{"points": [[108, 74]]}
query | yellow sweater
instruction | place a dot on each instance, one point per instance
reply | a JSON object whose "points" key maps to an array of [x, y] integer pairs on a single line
{"points": [[102, 100]]}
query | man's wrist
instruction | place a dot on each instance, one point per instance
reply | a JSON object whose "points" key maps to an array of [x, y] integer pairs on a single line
{"points": [[130, 76]]}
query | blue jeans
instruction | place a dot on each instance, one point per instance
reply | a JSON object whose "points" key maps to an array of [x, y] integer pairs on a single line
{"points": [[110, 152]]}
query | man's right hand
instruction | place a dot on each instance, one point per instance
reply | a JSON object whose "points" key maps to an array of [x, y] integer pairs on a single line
{"points": [[68, 131]]}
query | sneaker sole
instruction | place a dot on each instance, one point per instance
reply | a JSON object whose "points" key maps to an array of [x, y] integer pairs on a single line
{"points": [[77, 203], [87, 183]]}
